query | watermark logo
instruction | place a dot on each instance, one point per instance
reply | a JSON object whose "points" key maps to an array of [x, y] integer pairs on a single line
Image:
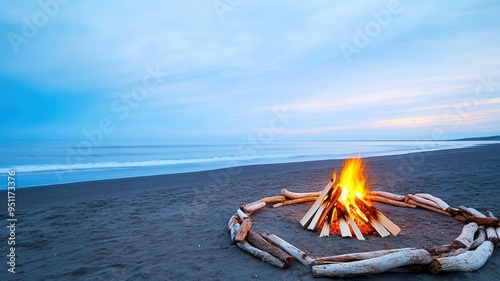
{"points": [[222, 7], [121, 108], [49, 9], [363, 35]]}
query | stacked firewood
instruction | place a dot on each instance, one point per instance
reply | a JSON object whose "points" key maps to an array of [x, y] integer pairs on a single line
{"points": [[468, 252], [329, 214]]}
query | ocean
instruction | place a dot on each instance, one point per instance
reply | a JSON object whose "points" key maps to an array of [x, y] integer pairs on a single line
{"points": [[39, 163]]}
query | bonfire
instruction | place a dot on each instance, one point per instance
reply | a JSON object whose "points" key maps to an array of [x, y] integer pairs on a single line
{"points": [[344, 208]]}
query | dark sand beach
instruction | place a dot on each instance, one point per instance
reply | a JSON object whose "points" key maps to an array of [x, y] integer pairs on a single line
{"points": [[173, 227]]}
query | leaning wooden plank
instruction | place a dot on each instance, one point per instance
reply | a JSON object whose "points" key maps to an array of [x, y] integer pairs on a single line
{"points": [[265, 256], [344, 226], [289, 248], [388, 224], [310, 213], [374, 265], [325, 231], [355, 228], [443, 205], [296, 195], [467, 236], [466, 262], [357, 256], [313, 225], [372, 219], [259, 242], [388, 195]]}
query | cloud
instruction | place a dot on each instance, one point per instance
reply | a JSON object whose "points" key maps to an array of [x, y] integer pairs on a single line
{"points": [[228, 75]]}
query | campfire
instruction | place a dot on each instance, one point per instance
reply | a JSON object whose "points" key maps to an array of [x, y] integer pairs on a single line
{"points": [[344, 207]]}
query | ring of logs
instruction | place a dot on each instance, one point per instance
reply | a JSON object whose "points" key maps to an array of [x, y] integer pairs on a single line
{"points": [[467, 253]]}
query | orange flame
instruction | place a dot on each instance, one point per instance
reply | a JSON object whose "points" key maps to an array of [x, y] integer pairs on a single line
{"points": [[352, 181]]}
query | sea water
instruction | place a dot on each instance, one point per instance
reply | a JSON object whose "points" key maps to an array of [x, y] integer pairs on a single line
{"points": [[55, 162]]}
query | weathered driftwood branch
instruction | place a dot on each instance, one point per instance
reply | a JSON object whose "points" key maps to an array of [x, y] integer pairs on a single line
{"points": [[491, 233], [466, 262], [485, 221], [265, 256], [460, 218], [480, 238], [296, 195], [289, 248], [232, 221], [439, 250], [374, 265], [243, 230], [273, 199], [423, 201], [233, 232], [451, 253], [430, 208], [357, 256], [242, 215], [389, 201], [296, 201], [443, 205], [387, 195], [259, 242], [490, 214], [252, 207], [467, 236], [253, 250]]}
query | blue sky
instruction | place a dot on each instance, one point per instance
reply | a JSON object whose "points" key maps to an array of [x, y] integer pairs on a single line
{"points": [[222, 69]]}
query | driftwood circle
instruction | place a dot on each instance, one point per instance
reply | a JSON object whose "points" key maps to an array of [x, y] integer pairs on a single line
{"points": [[468, 252]]}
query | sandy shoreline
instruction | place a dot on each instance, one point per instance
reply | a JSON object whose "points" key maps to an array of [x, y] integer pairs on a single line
{"points": [[172, 227]]}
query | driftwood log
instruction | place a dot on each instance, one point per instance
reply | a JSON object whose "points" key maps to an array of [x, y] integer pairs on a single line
{"points": [[443, 205], [389, 201], [296, 195], [243, 230], [374, 265], [259, 242], [252, 207], [357, 256], [265, 256], [490, 214], [467, 236], [387, 195], [466, 262], [289, 248], [429, 207], [480, 238], [468, 252]]}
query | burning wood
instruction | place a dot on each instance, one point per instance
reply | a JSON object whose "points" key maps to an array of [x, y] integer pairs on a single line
{"points": [[344, 206]]}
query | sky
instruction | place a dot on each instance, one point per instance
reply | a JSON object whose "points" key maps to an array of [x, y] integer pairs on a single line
{"points": [[229, 69]]}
